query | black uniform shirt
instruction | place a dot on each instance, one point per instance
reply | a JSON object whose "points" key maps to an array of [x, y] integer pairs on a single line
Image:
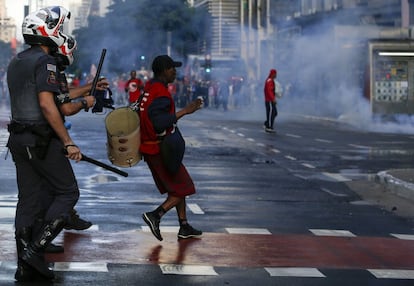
{"points": [[29, 73], [45, 70], [46, 75]]}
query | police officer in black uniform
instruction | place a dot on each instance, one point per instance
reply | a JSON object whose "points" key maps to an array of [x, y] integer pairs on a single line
{"points": [[48, 190], [71, 101]]}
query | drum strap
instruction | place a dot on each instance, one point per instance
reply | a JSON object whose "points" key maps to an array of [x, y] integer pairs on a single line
{"points": [[151, 142]]}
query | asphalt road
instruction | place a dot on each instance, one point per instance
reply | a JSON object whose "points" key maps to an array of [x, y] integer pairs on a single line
{"points": [[291, 208]]}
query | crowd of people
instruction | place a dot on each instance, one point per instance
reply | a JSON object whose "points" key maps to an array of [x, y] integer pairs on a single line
{"points": [[223, 94]]}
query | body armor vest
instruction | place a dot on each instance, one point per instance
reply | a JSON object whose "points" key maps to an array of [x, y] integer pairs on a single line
{"points": [[21, 80]]}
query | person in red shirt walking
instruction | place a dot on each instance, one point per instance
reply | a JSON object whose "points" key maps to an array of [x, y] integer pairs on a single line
{"points": [[163, 146], [133, 87], [270, 101]]}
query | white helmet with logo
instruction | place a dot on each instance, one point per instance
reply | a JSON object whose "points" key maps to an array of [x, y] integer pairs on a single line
{"points": [[45, 26]]}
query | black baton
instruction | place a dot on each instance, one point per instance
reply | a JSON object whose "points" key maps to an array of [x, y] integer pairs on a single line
{"points": [[97, 75], [100, 164], [103, 165]]}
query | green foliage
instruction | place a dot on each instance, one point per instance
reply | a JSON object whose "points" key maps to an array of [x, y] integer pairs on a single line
{"points": [[132, 29]]}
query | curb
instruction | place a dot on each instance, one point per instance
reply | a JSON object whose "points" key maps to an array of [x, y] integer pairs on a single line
{"points": [[396, 185]]}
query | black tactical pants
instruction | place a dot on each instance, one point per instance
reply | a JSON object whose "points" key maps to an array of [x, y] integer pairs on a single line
{"points": [[47, 187]]}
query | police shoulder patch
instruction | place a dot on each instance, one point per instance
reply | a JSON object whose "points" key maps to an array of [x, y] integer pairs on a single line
{"points": [[51, 67]]}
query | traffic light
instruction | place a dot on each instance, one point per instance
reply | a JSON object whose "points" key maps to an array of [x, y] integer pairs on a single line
{"points": [[207, 64], [143, 61]]}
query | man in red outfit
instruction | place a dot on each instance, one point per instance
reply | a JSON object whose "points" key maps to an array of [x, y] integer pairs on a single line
{"points": [[133, 87], [270, 101], [162, 146]]}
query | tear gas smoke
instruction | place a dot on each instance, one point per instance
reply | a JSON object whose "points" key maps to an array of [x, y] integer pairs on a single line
{"points": [[324, 75]]}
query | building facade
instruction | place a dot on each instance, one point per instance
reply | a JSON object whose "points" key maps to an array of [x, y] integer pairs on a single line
{"points": [[261, 31], [7, 24], [225, 26]]}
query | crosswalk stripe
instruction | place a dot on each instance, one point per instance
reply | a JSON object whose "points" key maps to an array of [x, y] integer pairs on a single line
{"points": [[166, 229], [294, 272], [81, 266], [181, 269], [4, 135], [323, 140], [7, 212], [195, 209], [336, 177], [248, 231], [293, 135], [403, 236], [310, 166], [392, 273], [332, 232]]}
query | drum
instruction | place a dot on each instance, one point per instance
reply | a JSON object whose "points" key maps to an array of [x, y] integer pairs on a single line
{"points": [[123, 137]]}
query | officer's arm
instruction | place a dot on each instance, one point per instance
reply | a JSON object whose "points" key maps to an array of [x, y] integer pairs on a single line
{"points": [[73, 107], [83, 90], [86, 102], [52, 115]]}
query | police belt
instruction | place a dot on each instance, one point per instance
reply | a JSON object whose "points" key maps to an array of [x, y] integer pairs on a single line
{"points": [[19, 127]]}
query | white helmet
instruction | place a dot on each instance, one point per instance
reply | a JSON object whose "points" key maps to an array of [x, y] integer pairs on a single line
{"points": [[65, 51], [45, 26]]}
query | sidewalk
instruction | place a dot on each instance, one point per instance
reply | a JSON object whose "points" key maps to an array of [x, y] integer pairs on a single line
{"points": [[398, 181]]}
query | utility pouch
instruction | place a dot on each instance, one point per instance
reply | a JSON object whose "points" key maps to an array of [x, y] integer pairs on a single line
{"points": [[14, 127], [44, 135]]}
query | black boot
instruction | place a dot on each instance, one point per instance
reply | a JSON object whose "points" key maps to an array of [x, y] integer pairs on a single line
{"points": [[51, 248], [24, 272], [76, 223], [34, 253]]}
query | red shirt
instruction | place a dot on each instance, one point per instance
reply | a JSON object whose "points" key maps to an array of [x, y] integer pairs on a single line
{"points": [[269, 90], [153, 90], [134, 87]]}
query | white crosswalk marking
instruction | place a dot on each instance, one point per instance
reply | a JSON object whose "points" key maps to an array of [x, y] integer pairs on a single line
{"points": [[294, 272], [392, 273], [181, 269], [4, 135], [7, 212], [166, 229], [336, 177], [403, 236], [247, 231], [81, 266], [195, 209], [332, 232]]}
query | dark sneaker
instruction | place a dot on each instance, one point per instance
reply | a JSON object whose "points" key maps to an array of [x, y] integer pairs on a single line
{"points": [[153, 223], [76, 223], [187, 231]]}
